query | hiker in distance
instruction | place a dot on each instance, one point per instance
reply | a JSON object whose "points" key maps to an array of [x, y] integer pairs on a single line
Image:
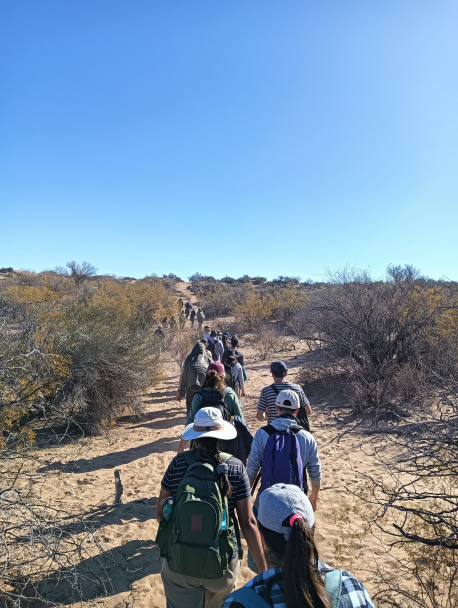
{"points": [[193, 373], [283, 451], [215, 346], [182, 319], [208, 496], [267, 408], [200, 317], [188, 308], [192, 317], [180, 304], [295, 577]]}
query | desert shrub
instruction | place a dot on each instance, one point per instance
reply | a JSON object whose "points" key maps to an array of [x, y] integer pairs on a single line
{"points": [[254, 311], [149, 301], [178, 345], [376, 330], [289, 303], [268, 340], [114, 358], [220, 300]]}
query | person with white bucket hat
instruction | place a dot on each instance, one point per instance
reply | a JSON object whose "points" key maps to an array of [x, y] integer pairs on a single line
{"points": [[199, 533]]}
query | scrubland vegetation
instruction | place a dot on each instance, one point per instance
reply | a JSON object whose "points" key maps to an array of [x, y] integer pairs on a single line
{"points": [[80, 348]]}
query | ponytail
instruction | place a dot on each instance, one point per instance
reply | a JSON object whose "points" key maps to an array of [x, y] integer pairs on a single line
{"points": [[303, 585], [210, 445]]}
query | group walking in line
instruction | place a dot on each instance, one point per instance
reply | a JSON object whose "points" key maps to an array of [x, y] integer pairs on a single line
{"points": [[205, 500]]}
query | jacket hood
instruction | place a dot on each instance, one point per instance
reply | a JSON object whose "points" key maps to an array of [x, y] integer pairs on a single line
{"points": [[284, 423]]}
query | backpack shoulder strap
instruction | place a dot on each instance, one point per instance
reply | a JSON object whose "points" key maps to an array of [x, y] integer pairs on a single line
{"points": [[333, 586], [270, 430], [190, 457], [275, 389], [249, 598]]}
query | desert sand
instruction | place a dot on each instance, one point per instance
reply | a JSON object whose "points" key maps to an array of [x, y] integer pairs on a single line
{"points": [[82, 477]]}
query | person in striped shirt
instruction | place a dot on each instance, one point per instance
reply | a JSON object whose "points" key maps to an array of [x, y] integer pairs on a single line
{"points": [[266, 405]]}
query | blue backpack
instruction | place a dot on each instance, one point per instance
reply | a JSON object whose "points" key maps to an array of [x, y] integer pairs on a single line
{"points": [[282, 461]]}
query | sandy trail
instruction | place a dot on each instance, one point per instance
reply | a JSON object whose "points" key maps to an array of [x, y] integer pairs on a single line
{"points": [[82, 477]]}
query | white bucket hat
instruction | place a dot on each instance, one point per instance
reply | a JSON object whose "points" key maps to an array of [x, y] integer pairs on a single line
{"points": [[209, 423]]}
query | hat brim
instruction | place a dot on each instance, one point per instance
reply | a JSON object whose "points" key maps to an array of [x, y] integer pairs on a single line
{"points": [[228, 432]]}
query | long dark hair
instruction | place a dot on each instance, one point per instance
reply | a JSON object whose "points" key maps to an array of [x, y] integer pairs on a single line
{"points": [[304, 587], [216, 381], [211, 446]]}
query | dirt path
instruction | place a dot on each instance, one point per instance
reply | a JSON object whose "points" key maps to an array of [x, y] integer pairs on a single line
{"points": [[142, 449]]}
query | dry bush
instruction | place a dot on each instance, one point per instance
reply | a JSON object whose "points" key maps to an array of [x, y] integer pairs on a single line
{"points": [[378, 331], [114, 359], [269, 340], [178, 345], [219, 300], [254, 311]]}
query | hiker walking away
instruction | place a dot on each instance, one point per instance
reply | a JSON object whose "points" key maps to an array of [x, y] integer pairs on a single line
{"points": [[182, 319], [173, 322], [159, 332], [179, 305], [225, 339], [295, 577], [208, 496], [215, 394], [200, 317], [231, 349], [165, 322], [237, 381], [267, 400], [215, 346], [193, 374], [207, 332], [282, 451], [192, 317], [188, 308]]}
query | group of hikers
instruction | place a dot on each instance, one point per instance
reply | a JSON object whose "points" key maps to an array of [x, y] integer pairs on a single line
{"points": [[185, 311], [205, 507]]}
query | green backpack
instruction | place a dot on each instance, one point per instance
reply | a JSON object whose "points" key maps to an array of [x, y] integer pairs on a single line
{"points": [[199, 538]]}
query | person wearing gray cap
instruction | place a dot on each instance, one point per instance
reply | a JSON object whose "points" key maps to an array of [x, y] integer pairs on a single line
{"points": [[266, 405], [295, 577]]}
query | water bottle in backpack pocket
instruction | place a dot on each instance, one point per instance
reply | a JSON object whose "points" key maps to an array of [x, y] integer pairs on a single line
{"points": [[200, 542]]}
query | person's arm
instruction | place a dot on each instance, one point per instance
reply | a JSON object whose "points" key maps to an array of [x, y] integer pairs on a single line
{"points": [[305, 403], [313, 465], [232, 403], [250, 532], [261, 413], [242, 381], [182, 385], [159, 508], [255, 456]]}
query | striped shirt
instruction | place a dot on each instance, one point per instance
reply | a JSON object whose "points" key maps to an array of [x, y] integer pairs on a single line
{"points": [[269, 585], [237, 475], [269, 396]]}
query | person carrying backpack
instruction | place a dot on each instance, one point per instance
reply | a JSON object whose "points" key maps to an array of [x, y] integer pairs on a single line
{"points": [[208, 496], [267, 400], [295, 577], [237, 378], [215, 346], [283, 450], [214, 393], [193, 374], [182, 319], [200, 317], [192, 317], [179, 305], [188, 308]]}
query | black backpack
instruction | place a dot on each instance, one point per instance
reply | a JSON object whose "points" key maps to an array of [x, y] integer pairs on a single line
{"points": [[212, 348], [215, 399], [230, 378], [301, 414]]}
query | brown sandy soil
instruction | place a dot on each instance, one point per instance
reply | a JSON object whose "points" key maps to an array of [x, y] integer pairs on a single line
{"points": [[82, 476]]}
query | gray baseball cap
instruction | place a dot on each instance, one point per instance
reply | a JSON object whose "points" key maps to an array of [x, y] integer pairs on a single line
{"points": [[280, 502]]}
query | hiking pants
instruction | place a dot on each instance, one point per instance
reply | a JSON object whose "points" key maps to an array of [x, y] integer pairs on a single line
{"points": [[182, 591]]}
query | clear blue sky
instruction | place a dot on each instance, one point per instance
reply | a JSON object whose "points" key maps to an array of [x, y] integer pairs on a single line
{"points": [[251, 136]]}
